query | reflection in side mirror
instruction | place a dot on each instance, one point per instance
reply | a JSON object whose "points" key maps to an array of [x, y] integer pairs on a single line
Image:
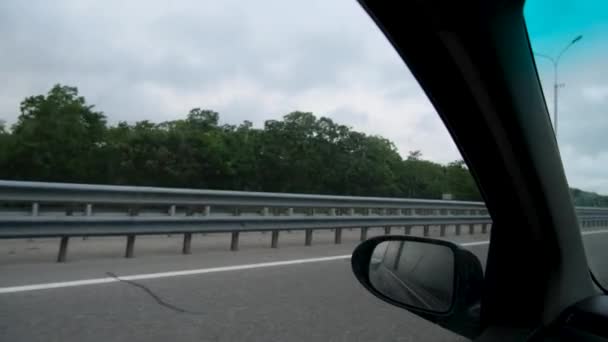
{"points": [[434, 279], [414, 273]]}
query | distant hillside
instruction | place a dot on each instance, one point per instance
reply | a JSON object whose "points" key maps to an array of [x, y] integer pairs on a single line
{"points": [[588, 199]]}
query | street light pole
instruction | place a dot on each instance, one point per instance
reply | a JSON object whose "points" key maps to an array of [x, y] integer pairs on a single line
{"points": [[556, 85]]}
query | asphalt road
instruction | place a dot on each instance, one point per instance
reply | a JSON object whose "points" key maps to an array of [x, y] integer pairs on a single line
{"points": [[232, 296]]}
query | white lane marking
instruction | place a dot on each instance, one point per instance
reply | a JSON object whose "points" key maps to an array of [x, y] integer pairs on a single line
{"points": [[475, 243], [13, 289], [603, 231], [233, 268], [46, 286]]}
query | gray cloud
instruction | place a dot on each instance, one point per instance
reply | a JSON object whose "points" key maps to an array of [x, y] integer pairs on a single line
{"points": [[192, 46], [583, 114], [155, 60]]}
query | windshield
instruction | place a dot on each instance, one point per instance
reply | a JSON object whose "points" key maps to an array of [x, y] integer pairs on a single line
{"points": [[568, 39], [169, 171]]}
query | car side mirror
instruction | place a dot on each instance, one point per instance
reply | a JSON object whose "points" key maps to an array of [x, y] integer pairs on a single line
{"points": [[434, 279]]}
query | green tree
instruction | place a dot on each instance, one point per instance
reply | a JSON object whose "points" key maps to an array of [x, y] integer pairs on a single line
{"points": [[460, 182], [57, 137], [6, 145]]}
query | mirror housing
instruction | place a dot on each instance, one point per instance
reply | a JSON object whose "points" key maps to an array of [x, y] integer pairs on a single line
{"points": [[462, 315]]}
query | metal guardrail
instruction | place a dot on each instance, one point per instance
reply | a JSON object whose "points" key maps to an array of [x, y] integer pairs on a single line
{"points": [[86, 193], [36, 209]]}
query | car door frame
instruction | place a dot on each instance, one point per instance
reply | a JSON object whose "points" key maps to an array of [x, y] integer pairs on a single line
{"points": [[475, 63]]}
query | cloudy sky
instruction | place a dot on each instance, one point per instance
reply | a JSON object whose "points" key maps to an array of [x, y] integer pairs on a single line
{"points": [[155, 60]]}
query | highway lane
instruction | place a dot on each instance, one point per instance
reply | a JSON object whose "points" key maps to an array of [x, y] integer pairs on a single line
{"points": [[298, 302], [316, 301], [33, 262]]}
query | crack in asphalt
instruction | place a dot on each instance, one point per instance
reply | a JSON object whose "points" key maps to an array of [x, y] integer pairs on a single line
{"points": [[156, 297]]}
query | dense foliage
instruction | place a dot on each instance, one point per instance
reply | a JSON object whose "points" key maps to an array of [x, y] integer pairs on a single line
{"points": [[588, 199], [59, 137]]}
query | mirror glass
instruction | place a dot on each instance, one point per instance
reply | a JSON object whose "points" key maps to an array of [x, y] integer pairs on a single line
{"points": [[419, 274]]}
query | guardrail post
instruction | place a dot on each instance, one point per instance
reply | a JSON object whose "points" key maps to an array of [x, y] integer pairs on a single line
{"points": [[407, 230], [35, 209], [234, 236], [471, 229], [308, 232], [364, 233], [274, 235], [88, 211], [234, 241], [457, 228], [186, 246], [387, 230], [130, 246], [426, 230], [442, 230], [308, 237], [484, 228], [351, 212], [337, 231], [133, 211], [63, 249], [274, 239], [171, 212], [398, 257], [364, 230], [289, 213], [338, 236]]}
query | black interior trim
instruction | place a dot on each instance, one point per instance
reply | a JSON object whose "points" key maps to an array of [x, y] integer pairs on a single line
{"points": [[474, 62]]}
